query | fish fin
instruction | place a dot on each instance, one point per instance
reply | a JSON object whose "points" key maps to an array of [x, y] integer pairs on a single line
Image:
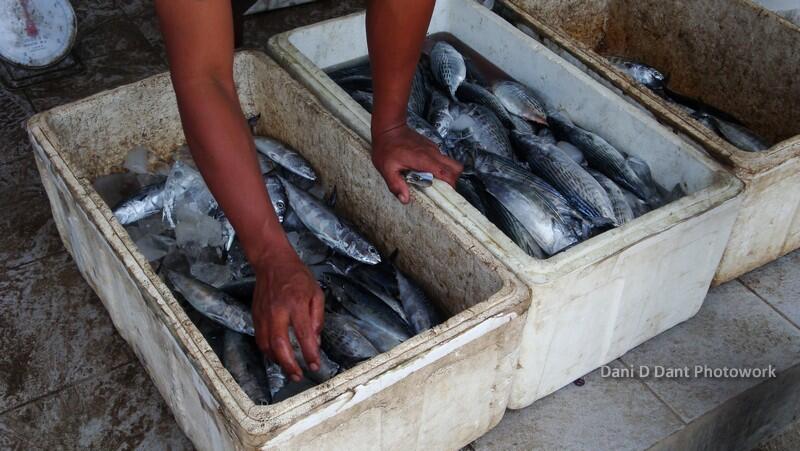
{"points": [[330, 199]]}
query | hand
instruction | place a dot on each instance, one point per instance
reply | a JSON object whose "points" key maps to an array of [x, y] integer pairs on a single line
{"points": [[286, 294], [401, 149]]}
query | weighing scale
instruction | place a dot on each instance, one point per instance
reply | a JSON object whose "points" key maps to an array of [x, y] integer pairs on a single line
{"points": [[36, 37]]}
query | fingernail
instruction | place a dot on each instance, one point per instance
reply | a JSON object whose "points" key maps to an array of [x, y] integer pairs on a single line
{"points": [[296, 377], [314, 367]]}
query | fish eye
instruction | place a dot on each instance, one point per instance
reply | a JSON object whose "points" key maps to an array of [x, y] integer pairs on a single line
{"points": [[280, 204], [372, 250]]}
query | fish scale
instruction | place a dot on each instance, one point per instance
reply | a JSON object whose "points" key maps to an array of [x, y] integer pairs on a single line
{"points": [[519, 100], [471, 92], [448, 67], [486, 129]]}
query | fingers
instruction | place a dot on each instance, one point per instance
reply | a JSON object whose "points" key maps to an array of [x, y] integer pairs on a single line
{"points": [[396, 183], [308, 341], [317, 312], [443, 168], [281, 346]]}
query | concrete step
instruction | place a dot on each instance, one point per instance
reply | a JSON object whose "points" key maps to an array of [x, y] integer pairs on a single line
{"points": [[750, 323]]}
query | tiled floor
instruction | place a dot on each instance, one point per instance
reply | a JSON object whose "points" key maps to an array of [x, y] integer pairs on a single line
{"points": [[67, 380]]}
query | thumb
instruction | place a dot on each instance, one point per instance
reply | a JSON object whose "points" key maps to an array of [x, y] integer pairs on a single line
{"points": [[397, 184]]}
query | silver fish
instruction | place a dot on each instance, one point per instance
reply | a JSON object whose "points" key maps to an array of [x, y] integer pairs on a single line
{"points": [[439, 113], [739, 136], [327, 367], [485, 128], [573, 152], [425, 129], [473, 93], [418, 97], [326, 226], [418, 308], [466, 186], [622, 210], [546, 135], [516, 230], [277, 196], [572, 180], [521, 125], [640, 73], [603, 156], [276, 379], [533, 212], [285, 157], [147, 202], [421, 179], [520, 100], [638, 206], [243, 360], [448, 67], [364, 99], [344, 341], [213, 303], [377, 321]]}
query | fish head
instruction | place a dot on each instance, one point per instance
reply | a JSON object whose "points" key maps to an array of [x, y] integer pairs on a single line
{"points": [[365, 252]]}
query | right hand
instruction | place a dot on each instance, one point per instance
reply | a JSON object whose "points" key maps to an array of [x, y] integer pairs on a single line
{"points": [[286, 294]]}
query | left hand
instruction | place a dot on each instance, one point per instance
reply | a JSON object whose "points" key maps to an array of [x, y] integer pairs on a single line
{"points": [[401, 149]]}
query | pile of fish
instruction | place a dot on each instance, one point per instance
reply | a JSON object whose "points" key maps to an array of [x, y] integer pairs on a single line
{"points": [[371, 306], [545, 181], [721, 123]]}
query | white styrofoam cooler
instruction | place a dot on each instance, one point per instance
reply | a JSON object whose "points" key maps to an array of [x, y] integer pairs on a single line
{"points": [[594, 302], [438, 390]]}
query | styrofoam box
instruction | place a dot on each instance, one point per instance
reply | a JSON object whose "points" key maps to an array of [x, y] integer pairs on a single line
{"points": [[593, 302], [730, 53], [438, 390]]}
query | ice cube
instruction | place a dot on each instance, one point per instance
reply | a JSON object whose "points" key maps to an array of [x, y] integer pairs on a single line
{"points": [[308, 247], [211, 273], [194, 227], [237, 262], [154, 247], [185, 186], [137, 160]]}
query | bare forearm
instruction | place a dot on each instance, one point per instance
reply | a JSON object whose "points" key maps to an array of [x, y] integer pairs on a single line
{"points": [[223, 149], [395, 33]]}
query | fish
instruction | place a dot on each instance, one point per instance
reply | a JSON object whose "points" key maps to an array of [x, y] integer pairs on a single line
{"points": [[356, 82], [546, 136], [485, 163], [514, 229], [327, 227], [473, 93], [285, 157], [521, 125], [241, 289], [439, 113], [277, 196], [603, 156], [245, 363], [147, 202], [640, 73], [425, 129], [738, 135], [485, 128], [327, 367], [573, 152], [568, 177], [622, 210], [448, 67], [344, 342], [418, 308], [308, 248], [520, 100], [377, 321], [420, 179], [213, 303], [276, 378], [466, 186], [381, 292], [638, 206], [364, 99], [533, 213], [418, 96]]}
